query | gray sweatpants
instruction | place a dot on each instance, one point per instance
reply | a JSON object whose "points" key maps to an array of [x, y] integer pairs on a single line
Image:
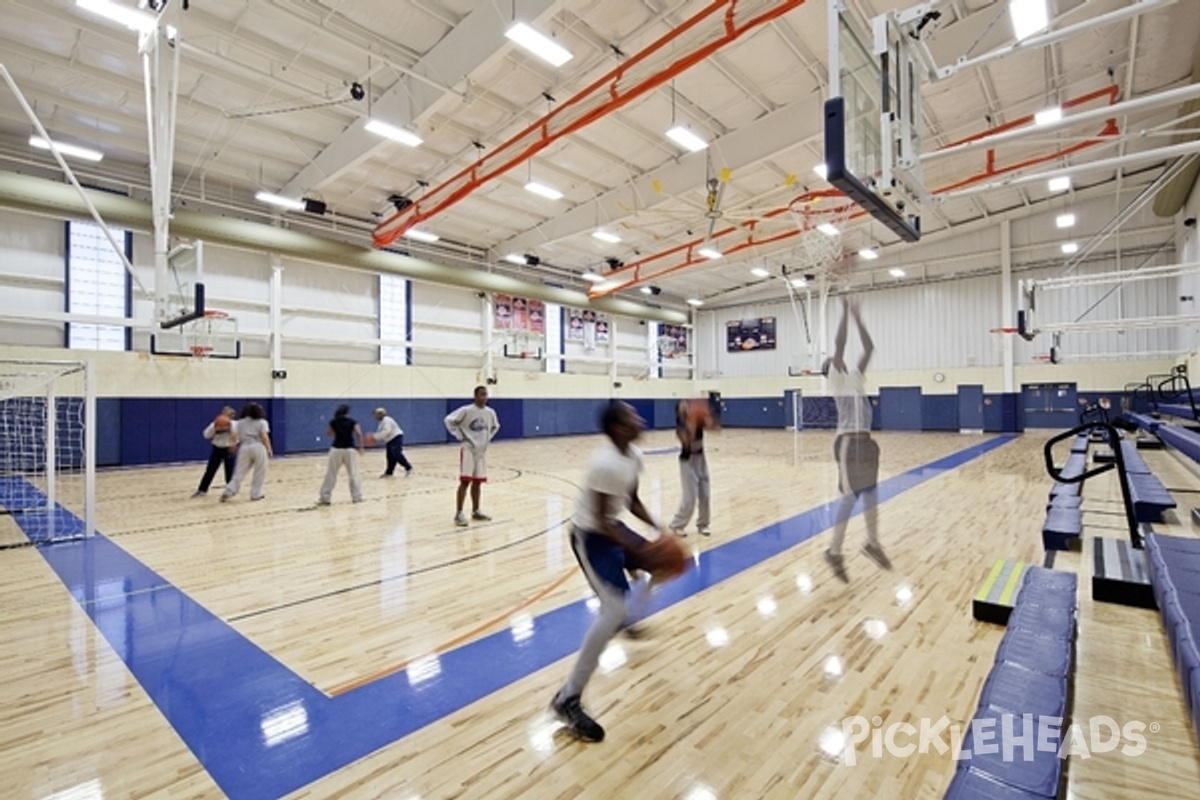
{"points": [[339, 456], [693, 475], [250, 456]]}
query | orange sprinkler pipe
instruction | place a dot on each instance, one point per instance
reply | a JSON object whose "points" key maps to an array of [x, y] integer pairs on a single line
{"points": [[596, 101]]}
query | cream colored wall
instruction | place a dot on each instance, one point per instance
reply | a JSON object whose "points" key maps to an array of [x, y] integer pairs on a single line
{"points": [[145, 375]]}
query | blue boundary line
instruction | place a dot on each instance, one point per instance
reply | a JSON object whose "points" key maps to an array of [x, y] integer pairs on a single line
{"points": [[261, 731]]}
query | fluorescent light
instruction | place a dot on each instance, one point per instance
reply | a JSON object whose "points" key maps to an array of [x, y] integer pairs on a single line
{"points": [[515, 258], [593, 277], [799, 282], [709, 252], [692, 301], [1069, 247], [129, 17], [647, 290], [1028, 17], [821, 170], [1059, 184], [87, 154], [544, 191], [605, 236], [828, 229], [686, 139], [1065, 220], [392, 132], [760, 272], [868, 254], [896, 272], [541, 46], [1047, 115], [279, 200], [421, 236]]}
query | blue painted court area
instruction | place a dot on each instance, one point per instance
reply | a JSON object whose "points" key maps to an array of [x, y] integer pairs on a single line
{"points": [[261, 731]]}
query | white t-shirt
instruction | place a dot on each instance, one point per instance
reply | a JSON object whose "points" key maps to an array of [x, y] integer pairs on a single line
{"points": [[609, 472], [248, 430], [472, 425], [388, 429], [850, 395]]}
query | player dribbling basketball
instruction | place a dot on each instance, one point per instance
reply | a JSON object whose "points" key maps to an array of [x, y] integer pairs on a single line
{"points": [[601, 541]]}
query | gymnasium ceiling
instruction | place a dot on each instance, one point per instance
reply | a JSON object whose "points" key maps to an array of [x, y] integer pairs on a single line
{"points": [[267, 102]]}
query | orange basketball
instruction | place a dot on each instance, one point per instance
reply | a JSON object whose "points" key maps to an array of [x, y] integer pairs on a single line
{"points": [[664, 558], [222, 423], [699, 413], [369, 439]]}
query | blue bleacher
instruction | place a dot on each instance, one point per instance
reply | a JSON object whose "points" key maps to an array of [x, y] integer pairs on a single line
{"points": [[1174, 566], [1063, 527], [1024, 701], [1150, 498]]}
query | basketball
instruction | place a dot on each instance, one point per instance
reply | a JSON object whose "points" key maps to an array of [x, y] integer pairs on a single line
{"points": [[664, 558], [699, 413], [222, 423], [369, 439]]}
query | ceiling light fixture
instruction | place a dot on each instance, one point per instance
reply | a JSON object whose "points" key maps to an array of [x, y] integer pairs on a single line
{"points": [[868, 254], [822, 170], [1059, 184], [1069, 247], [131, 18], [760, 272], [380, 128], [692, 301], [709, 252], [605, 236], [799, 282], [544, 191], [539, 44], [593, 277], [85, 153], [1047, 115], [515, 258], [1065, 220], [279, 200], [1028, 17], [896, 272], [828, 229], [686, 139], [421, 236]]}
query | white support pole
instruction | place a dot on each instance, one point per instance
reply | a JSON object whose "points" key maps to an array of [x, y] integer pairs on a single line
{"points": [[89, 448], [160, 66], [1006, 300], [276, 322], [488, 327], [51, 456]]}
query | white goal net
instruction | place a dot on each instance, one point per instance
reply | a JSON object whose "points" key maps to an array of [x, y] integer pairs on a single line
{"points": [[47, 452]]}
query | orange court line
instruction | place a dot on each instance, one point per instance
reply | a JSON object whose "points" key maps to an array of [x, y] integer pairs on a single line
{"points": [[337, 691]]}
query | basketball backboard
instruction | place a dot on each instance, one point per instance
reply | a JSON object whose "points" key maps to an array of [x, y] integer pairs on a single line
{"points": [[873, 119]]}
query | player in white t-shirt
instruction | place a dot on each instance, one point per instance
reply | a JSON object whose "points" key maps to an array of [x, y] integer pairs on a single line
{"points": [[254, 450], [856, 452], [474, 425], [601, 543]]}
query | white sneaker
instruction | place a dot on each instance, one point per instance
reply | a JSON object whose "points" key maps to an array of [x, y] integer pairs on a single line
{"points": [[460, 519]]}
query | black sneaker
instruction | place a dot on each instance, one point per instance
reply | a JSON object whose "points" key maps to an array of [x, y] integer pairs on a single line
{"points": [[582, 726], [636, 631], [876, 554], [838, 565]]}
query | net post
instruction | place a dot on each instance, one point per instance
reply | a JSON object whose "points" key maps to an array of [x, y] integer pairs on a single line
{"points": [[89, 452], [51, 446]]}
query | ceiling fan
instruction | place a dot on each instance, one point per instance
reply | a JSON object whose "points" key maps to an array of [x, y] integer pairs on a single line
{"points": [[710, 209]]}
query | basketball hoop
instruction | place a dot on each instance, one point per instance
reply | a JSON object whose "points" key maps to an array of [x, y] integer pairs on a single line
{"points": [[212, 313], [821, 217], [201, 350], [1002, 330]]}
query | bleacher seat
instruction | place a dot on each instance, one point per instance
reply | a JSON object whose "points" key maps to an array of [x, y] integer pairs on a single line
{"points": [[1174, 566], [1029, 682]]}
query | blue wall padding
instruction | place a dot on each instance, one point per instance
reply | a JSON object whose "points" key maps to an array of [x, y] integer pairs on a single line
{"points": [[939, 412]]}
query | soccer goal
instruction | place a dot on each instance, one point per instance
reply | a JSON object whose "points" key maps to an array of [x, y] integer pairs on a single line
{"points": [[47, 451]]}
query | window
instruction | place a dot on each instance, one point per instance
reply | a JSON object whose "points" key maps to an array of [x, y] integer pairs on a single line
{"points": [[97, 285], [394, 319]]}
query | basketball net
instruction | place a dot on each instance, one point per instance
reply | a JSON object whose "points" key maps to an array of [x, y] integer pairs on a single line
{"points": [[821, 217]]}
